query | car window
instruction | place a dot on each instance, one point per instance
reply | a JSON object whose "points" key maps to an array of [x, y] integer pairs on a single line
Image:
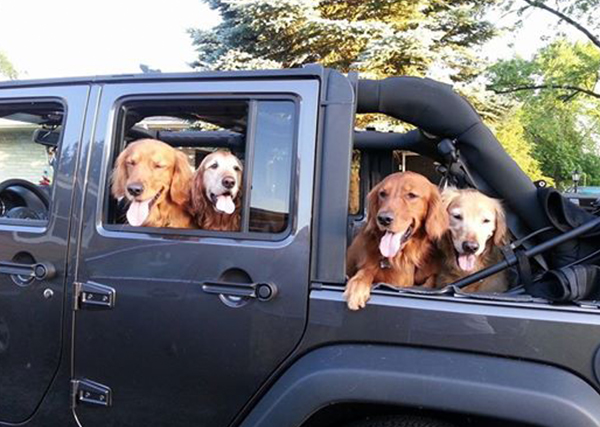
{"points": [[239, 150], [30, 134]]}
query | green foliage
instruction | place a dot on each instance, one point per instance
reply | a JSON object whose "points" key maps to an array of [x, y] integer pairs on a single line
{"points": [[560, 108], [379, 37], [511, 134], [581, 15], [567, 69], [6, 68]]}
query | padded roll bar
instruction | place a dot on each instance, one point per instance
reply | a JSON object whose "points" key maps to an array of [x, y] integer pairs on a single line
{"points": [[435, 108]]}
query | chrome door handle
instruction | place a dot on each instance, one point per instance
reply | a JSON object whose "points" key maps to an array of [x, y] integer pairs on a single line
{"points": [[261, 291]]}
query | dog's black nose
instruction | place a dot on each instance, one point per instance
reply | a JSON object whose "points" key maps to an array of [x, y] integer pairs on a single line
{"points": [[135, 189], [385, 219], [228, 182], [470, 247]]}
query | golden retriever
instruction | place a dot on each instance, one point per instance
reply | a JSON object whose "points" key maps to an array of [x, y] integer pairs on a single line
{"points": [[216, 192], [477, 230], [396, 246], [154, 178]]}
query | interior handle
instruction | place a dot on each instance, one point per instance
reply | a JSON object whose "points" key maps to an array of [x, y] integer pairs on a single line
{"points": [[262, 291], [38, 271]]}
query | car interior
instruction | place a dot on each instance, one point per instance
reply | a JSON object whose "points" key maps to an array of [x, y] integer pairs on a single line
{"points": [[30, 134]]}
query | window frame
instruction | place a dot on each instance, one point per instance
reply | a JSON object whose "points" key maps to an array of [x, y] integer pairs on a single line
{"points": [[117, 136], [40, 225]]}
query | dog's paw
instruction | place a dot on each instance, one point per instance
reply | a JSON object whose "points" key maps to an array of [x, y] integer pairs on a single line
{"points": [[357, 294]]}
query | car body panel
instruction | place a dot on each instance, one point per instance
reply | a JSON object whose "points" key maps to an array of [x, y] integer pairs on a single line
{"points": [[31, 330]]}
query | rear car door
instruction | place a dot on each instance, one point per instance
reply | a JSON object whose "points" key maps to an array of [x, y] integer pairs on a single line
{"points": [[39, 138], [163, 335]]}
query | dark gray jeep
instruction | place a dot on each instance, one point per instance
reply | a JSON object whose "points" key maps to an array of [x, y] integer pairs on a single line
{"points": [[104, 324]]}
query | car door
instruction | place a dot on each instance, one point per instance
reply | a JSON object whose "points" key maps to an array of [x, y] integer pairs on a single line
{"points": [[39, 138], [163, 335]]}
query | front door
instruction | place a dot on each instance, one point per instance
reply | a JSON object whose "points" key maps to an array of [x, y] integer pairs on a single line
{"points": [[183, 344], [39, 139]]}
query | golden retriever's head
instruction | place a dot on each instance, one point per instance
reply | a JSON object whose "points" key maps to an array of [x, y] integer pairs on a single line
{"points": [[218, 182], [402, 205], [476, 223], [148, 172]]}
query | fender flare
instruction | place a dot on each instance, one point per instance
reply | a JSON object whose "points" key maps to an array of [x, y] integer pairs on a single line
{"points": [[440, 380]]}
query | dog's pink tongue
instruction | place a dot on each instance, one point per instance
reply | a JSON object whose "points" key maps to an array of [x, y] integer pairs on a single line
{"points": [[466, 262], [390, 244], [225, 204], [138, 212]]}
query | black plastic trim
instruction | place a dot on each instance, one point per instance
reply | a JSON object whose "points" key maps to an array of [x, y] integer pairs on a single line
{"points": [[309, 71], [510, 390]]}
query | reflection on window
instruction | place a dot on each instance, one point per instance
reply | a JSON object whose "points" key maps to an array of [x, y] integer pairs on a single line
{"points": [[270, 201]]}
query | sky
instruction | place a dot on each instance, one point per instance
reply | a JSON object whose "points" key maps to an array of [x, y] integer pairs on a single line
{"points": [[64, 38]]}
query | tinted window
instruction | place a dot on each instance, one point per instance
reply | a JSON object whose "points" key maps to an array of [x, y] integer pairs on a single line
{"points": [[270, 198]]}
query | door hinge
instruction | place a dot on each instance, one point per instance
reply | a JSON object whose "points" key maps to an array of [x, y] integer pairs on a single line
{"points": [[90, 295], [90, 392]]}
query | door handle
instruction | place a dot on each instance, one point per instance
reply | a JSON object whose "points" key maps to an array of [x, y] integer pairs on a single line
{"points": [[38, 271], [261, 291]]}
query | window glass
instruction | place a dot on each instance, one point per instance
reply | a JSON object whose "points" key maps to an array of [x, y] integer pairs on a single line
{"points": [[212, 136], [270, 199], [29, 137]]}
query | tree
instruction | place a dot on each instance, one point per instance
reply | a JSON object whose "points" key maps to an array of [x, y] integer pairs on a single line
{"points": [[578, 14], [558, 89], [559, 116], [376, 37], [567, 69], [581, 15], [6, 68], [511, 134]]}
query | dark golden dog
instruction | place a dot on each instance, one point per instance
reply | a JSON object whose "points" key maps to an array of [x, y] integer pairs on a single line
{"points": [[405, 218], [155, 179]]}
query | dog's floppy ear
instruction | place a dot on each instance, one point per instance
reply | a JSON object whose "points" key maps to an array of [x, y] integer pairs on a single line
{"points": [[501, 231], [448, 196], [119, 175], [372, 207], [436, 222], [180, 183], [197, 198]]}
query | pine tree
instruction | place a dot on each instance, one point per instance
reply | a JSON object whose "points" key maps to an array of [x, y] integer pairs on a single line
{"points": [[376, 37]]}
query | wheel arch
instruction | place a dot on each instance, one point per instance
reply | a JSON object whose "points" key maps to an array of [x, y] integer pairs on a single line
{"points": [[437, 380]]}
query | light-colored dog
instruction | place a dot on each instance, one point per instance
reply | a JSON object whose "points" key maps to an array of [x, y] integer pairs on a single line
{"points": [[216, 192], [477, 231]]}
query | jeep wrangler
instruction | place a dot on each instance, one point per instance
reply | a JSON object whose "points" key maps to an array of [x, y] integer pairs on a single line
{"points": [[105, 324]]}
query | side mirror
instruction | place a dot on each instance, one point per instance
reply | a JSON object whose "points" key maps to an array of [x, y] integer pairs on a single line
{"points": [[47, 137]]}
